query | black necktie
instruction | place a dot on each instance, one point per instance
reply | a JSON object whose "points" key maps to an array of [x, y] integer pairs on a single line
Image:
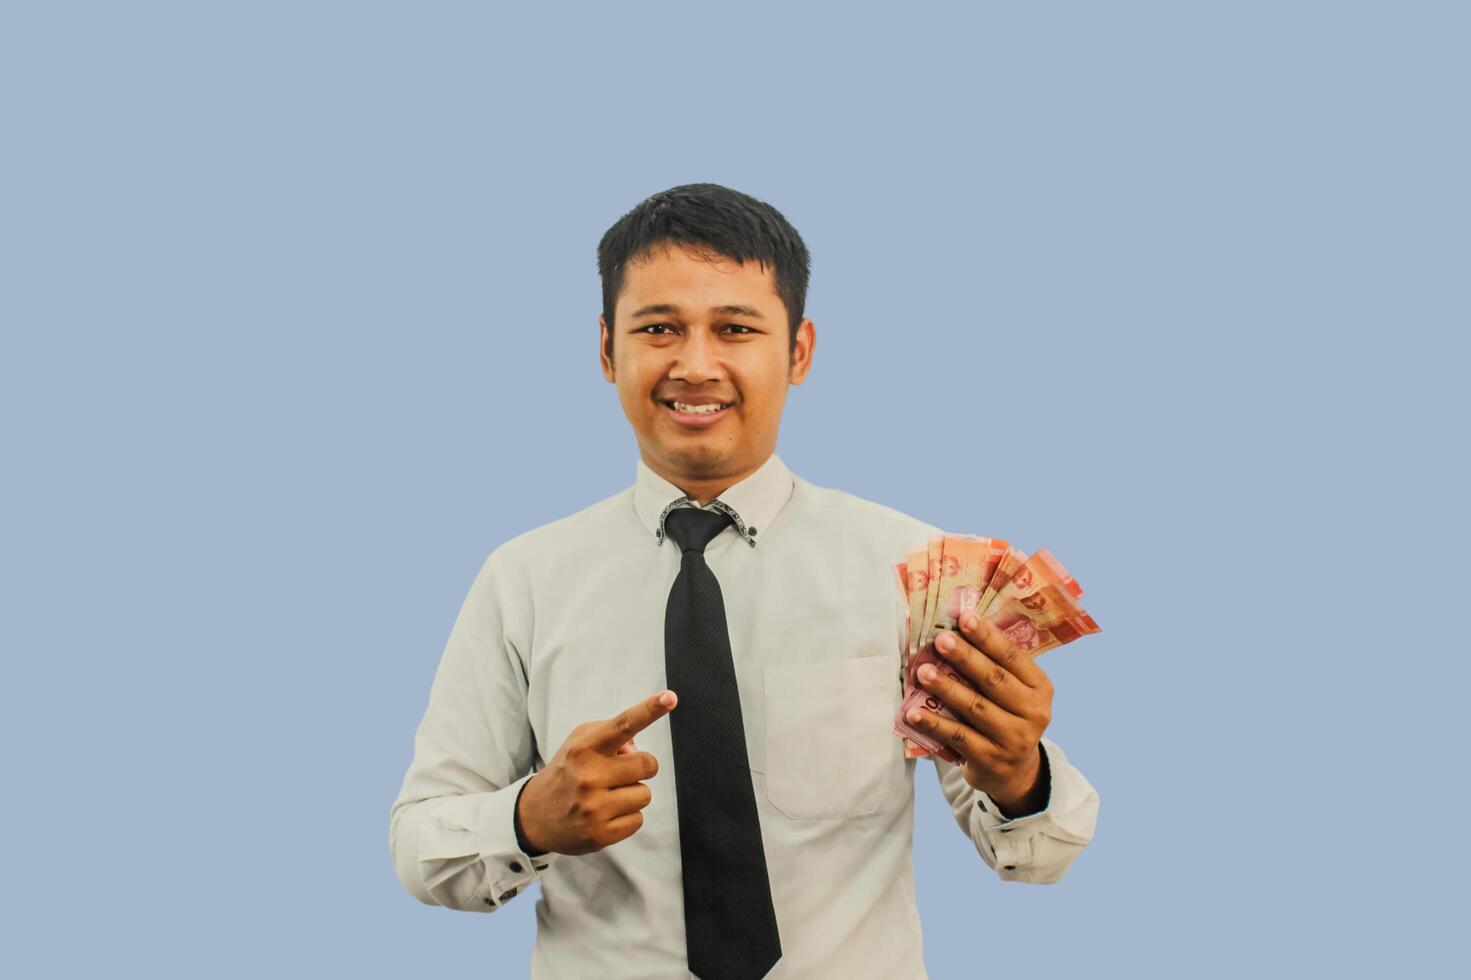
{"points": [[729, 922]]}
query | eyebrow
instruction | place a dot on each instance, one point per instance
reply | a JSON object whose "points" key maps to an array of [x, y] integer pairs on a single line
{"points": [[727, 310]]}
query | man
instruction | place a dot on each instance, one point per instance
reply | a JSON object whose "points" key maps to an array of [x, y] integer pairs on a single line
{"points": [[764, 828]]}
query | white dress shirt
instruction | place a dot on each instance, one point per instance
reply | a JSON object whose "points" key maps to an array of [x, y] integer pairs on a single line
{"points": [[565, 624]]}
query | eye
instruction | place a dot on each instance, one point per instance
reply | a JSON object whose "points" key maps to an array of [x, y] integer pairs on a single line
{"points": [[652, 326]]}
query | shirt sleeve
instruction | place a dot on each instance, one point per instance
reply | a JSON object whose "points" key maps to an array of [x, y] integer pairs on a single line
{"points": [[452, 830], [1037, 847]]}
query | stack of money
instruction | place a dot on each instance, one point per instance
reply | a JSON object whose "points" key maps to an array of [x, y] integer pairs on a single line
{"points": [[1033, 601]]}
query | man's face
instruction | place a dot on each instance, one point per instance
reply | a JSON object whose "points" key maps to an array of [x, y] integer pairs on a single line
{"points": [[702, 333]]}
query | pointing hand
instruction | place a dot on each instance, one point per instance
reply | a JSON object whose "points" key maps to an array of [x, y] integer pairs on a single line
{"points": [[590, 796]]}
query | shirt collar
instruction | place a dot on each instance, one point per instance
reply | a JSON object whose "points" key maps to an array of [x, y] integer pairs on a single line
{"points": [[752, 503]]}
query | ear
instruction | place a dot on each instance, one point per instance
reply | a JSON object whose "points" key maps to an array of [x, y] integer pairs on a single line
{"points": [[801, 359], [603, 337]]}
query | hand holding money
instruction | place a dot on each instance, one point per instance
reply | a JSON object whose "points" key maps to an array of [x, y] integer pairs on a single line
{"points": [[1002, 703], [988, 703]]}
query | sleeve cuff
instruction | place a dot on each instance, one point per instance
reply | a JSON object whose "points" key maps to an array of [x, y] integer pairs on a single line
{"points": [[1021, 846], [481, 827]]}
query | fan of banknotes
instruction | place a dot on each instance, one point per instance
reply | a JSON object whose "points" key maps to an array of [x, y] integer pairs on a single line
{"points": [[1033, 601]]}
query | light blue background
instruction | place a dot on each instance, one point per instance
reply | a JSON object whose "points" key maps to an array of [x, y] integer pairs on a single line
{"points": [[300, 321]]}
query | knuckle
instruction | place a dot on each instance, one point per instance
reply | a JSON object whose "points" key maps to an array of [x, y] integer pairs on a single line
{"points": [[994, 675], [584, 785], [934, 689]]}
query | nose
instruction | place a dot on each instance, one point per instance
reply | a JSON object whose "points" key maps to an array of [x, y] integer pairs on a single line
{"points": [[697, 360]]}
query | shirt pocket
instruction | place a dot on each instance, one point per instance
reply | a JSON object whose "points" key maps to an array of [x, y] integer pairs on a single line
{"points": [[830, 742]]}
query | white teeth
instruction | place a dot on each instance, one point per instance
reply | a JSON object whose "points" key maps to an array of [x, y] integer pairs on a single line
{"points": [[697, 409]]}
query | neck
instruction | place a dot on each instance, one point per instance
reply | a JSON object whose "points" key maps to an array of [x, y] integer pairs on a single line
{"points": [[703, 490]]}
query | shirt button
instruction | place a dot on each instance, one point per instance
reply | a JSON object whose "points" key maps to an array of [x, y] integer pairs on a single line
{"points": [[512, 894], [516, 866], [750, 530]]}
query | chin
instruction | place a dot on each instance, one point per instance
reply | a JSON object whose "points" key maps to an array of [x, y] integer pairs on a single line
{"points": [[703, 454], [698, 459]]}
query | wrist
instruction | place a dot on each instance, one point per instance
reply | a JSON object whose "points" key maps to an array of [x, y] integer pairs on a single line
{"points": [[1031, 794], [527, 847]]}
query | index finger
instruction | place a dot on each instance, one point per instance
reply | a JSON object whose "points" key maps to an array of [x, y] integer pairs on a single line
{"points": [[997, 646], [612, 733]]}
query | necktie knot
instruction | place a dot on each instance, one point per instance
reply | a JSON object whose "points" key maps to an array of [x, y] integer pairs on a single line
{"points": [[693, 528]]}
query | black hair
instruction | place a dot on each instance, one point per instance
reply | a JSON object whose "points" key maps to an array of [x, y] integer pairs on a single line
{"points": [[709, 220]]}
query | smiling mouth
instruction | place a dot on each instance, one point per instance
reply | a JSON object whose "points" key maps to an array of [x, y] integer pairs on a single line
{"points": [[696, 416], [712, 408]]}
